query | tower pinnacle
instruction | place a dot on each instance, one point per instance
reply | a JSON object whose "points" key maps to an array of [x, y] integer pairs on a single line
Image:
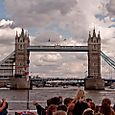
{"points": [[94, 34], [16, 34], [89, 34], [99, 34], [22, 33]]}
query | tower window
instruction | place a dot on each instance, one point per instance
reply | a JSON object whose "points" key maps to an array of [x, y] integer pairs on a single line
{"points": [[94, 47], [21, 46], [18, 39]]}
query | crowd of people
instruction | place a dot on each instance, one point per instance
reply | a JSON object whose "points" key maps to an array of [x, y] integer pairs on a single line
{"points": [[79, 105]]}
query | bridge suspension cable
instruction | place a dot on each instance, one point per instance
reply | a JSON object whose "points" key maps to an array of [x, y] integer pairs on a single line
{"points": [[108, 60], [9, 59]]}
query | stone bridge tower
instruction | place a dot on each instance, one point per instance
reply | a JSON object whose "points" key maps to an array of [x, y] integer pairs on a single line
{"points": [[21, 78], [94, 80]]}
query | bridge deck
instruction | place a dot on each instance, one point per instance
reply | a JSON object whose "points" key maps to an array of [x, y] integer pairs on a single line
{"points": [[58, 48]]}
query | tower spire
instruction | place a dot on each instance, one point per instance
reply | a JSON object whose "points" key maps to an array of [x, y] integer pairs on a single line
{"points": [[94, 34], [16, 34], [99, 34], [22, 33], [89, 34]]}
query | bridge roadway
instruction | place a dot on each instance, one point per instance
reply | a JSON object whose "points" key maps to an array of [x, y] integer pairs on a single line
{"points": [[58, 48], [66, 79]]}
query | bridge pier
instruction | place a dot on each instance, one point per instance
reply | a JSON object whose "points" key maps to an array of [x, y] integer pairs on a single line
{"points": [[94, 84], [20, 83]]}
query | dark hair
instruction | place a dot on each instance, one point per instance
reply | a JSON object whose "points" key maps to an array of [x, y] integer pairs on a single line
{"points": [[54, 100], [92, 105], [88, 99], [51, 108], [97, 108], [105, 106], [62, 107], [67, 101]]}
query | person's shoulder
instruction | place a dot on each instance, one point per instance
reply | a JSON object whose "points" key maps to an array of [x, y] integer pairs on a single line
{"points": [[84, 104]]}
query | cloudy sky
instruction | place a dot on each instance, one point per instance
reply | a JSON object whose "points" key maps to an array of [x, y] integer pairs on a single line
{"points": [[64, 22]]}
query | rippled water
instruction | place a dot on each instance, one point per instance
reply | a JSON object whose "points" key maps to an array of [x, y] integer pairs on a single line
{"points": [[17, 99]]}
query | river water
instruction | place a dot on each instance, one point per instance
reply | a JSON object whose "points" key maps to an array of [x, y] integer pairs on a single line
{"points": [[17, 99]]}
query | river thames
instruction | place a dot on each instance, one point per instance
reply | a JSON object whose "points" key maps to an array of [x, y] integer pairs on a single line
{"points": [[17, 99]]}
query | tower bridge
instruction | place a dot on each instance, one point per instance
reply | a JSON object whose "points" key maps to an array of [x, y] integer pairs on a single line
{"points": [[17, 63]]}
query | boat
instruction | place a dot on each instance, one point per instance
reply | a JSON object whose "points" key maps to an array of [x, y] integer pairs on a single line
{"points": [[112, 86], [65, 86]]}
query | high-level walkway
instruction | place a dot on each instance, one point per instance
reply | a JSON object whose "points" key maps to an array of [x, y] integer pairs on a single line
{"points": [[58, 48]]}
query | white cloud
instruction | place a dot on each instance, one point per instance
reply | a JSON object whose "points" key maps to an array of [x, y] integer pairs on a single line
{"points": [[37, 12], [75, 17], [45, 59], [47, 37], [4, 23]]}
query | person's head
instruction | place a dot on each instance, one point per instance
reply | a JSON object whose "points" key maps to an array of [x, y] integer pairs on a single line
{"points": [[92, 105], [60, 113], [54, 100], [88, 111], [105, 106], [62, 107], [52, 108], [80, 95], [89, 101], [67, 101], [106, 102]]}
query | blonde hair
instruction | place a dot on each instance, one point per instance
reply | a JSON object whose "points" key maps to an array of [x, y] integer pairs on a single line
{"points": [[88, 111], [80, 94], [60, 112]]}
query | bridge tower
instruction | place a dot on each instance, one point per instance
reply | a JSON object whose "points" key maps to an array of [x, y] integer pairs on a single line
{"points": [[94, 80], [21, 78]]}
